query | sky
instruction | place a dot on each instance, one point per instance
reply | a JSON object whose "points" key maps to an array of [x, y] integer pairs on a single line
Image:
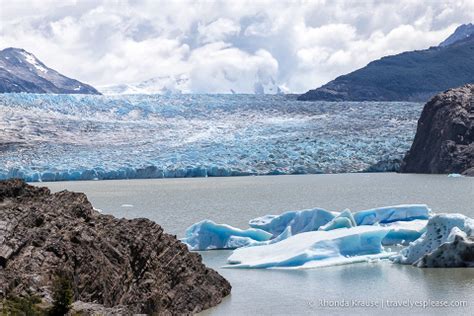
{"points": [[223, 45]]}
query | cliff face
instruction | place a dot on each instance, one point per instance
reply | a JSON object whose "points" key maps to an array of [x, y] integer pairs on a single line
{"points": [[112, 262], [444, 141]]}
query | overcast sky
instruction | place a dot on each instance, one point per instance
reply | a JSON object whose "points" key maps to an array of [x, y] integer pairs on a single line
{"points": [[223, 44]]}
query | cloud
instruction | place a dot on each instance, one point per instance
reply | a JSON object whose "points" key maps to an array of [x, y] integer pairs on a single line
{"points": [[223, 45]]}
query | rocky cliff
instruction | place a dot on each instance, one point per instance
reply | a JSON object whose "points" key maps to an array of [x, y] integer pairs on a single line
{"points": [[444, 141], [125, 265]]}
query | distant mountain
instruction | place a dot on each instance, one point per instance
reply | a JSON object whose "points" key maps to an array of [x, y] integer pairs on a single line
{"points": [[409, 76], [176, 85], [21, 71], [462, 32], [157, 85]]}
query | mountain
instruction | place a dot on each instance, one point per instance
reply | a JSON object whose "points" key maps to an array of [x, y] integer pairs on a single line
{"points": [[158, 85], [409, 76], [21, 71], [179, 84], [462, 32]]}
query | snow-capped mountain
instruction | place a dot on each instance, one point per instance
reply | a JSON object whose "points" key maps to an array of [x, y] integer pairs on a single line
{"points": [[461, 32], [177, 85], [21, 71], [157, 85]]}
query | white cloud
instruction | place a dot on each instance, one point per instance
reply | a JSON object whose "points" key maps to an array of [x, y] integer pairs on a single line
{"points": [[218, 30], [223, 45]]}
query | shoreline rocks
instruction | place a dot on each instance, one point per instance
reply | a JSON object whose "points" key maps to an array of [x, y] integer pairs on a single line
{"points": [[110, 262], [444, 141]]}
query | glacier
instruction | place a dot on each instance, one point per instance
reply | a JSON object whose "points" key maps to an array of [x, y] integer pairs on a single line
{"points": [[441, 229], [48, 137], [207, 235], [315, 249]]}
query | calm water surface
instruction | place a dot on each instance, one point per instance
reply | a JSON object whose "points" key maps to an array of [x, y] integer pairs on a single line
{"points": [[177, 203]]}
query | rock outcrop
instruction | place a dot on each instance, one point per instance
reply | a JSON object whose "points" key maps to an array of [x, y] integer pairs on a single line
{"points": [[444, 141], [120, 264]]}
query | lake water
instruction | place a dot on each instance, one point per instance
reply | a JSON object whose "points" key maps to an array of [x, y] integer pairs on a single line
{"points": [[177, 203]]}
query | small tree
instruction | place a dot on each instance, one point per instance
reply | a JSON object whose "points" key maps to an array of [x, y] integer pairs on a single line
{"points": [[62, 296]]}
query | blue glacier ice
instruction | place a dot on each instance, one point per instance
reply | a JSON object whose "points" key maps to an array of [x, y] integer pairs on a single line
{"points": [[315, 249], [390, 214], [79, 137], [344, 220], [207, 235], [271, 229], [298, 221], [404, 232], [440, 229]]}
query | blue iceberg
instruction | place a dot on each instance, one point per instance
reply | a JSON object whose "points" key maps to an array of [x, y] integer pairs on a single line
{"points": [[315, 249], [404, 232], [299, 221], [207, 235], [391, 214], [343, 220]]}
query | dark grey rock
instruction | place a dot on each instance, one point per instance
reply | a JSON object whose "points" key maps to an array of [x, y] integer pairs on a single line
{"points": [[21, 71], [444, 141], [115, 263]]}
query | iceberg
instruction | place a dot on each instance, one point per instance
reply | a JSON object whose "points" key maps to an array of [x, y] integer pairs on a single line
{"points": [[456, 252], [390, 214], [404, 232], [206, 235], [299, 221], [315, 249], [441, 229], [343, 220]]}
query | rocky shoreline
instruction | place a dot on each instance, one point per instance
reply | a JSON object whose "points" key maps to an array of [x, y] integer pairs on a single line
{"points": [[113, 265]]}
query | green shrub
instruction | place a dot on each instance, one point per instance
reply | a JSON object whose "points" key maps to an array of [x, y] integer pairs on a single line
{"points": [[62, 296]]}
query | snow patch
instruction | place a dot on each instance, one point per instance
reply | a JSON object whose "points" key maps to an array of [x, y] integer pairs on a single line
{"points": [[33, 61]]}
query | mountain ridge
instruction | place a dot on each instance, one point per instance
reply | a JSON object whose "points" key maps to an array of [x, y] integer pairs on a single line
{"points": [[408, 76], [21, 71]]}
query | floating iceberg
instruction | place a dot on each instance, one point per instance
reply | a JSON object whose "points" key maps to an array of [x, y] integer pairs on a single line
{"points": [[343, 220], [390, 214], [298, 221], [207, 235], [315, 249], [457, 252], [404, 232], [441, 229]]}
